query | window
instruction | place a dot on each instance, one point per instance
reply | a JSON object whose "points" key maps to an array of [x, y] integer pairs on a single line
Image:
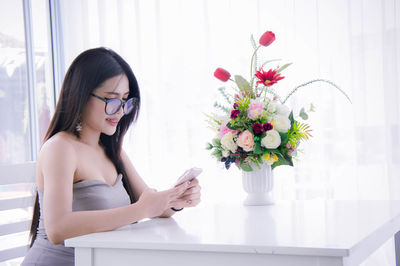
{"points": [[15, 144], [26, 104]]}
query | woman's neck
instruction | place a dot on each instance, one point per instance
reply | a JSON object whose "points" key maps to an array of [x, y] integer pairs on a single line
{"points": [[90, 137]]}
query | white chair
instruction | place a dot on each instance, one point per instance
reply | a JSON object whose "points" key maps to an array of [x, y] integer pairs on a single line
{"points": [[12, 204]]}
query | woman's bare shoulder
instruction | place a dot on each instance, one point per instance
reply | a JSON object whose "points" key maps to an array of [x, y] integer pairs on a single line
{"points": [[61, 146], [59, 140], [57, 157]]}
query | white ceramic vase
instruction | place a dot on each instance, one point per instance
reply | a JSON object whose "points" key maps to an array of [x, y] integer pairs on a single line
{"points": [[258, 184]]}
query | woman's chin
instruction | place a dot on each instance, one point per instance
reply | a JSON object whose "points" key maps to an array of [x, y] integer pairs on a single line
{"points": [[109, 132]]}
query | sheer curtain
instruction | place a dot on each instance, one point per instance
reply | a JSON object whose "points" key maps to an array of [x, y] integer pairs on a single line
{"points": [[174, 47]]}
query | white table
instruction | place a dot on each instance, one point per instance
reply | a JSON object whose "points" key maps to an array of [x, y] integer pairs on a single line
{"points": [[301, 233]]}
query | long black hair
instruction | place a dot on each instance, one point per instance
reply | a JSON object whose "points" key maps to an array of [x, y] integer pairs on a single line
{"points": [[86, 73]]}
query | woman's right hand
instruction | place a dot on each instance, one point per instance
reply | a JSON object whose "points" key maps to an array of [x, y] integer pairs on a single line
{"points": [[156, 202]]}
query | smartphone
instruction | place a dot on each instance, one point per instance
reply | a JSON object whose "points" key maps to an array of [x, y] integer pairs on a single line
{"points": [[188, 175]]}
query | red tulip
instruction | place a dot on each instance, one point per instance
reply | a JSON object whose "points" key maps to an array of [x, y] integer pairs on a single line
{"points": [[267, 38], [222, 74]]}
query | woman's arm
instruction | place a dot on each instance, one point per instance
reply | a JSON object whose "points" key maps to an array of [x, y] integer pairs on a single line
{"points": [[57, 169], [190, 198]]}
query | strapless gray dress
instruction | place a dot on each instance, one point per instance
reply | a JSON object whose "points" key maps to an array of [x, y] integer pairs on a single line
{"points": [[87, 195]]}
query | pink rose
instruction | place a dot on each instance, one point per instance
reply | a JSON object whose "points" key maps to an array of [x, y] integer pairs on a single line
{"points": [[224, 129], [255, 110], [246, 140]]}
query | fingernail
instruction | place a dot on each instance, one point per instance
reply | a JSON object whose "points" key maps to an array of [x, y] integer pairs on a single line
{"points": [[189, 182], [188, 201]]}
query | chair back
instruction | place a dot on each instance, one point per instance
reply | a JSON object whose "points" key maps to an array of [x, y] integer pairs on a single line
{"points": [[17, 195]]}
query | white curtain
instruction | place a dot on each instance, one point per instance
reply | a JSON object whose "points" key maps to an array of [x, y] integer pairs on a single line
{"points": [[174, 47]]}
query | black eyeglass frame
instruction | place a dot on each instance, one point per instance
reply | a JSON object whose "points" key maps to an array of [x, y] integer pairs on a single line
{"points": [[122, 103]]}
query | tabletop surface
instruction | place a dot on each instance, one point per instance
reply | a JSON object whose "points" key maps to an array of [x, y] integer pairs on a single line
{"points": [[325, 228]]}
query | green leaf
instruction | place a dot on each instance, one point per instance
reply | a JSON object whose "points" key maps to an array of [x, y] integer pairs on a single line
{"points": [[289, 160], [257, 148], [291, 118], [242, 83], [284, 137], [216, 142], [283, 160], [251, 130], [246, 167], [243, 103], [241, 123], [209, 146], [280, 161], [276, 151], [283, 67], [217, 153], [312, 108], [303, 114], [233, 125]]}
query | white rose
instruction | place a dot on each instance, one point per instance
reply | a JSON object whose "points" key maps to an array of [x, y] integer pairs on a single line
{"points": [[282, 110], [225, 153], [272, 140], [228, 143], [281, 123]]}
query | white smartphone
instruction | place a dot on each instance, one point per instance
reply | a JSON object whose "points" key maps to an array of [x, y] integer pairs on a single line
{"points": [[189, 175]]}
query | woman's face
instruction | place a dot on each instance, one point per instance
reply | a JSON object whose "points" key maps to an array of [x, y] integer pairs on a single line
{"points": [[94, 116]]}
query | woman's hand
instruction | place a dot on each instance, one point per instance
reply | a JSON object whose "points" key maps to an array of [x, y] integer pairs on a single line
{"points": [[190, 197], [155, 203]]}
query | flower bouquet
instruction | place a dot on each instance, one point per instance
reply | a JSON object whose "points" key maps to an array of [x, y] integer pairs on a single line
{"points": [[258, 127]]}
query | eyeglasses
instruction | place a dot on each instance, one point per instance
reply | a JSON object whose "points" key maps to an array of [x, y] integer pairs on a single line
{"points": [[113, 105]]}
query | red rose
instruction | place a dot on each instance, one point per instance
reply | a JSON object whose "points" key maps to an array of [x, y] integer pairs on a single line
{"points": [[268, 78], [267, 38], [235, 113], [257, 128], [222, 74]]}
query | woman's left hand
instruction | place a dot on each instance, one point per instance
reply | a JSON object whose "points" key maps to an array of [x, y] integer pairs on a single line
{"points": [[191, 197]]}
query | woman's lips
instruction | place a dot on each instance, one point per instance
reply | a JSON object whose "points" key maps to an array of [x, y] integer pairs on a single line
{"points": [[112, 121]]}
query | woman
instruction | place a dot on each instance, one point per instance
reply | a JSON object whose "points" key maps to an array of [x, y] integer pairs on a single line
{"points": [[86, 183]]}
